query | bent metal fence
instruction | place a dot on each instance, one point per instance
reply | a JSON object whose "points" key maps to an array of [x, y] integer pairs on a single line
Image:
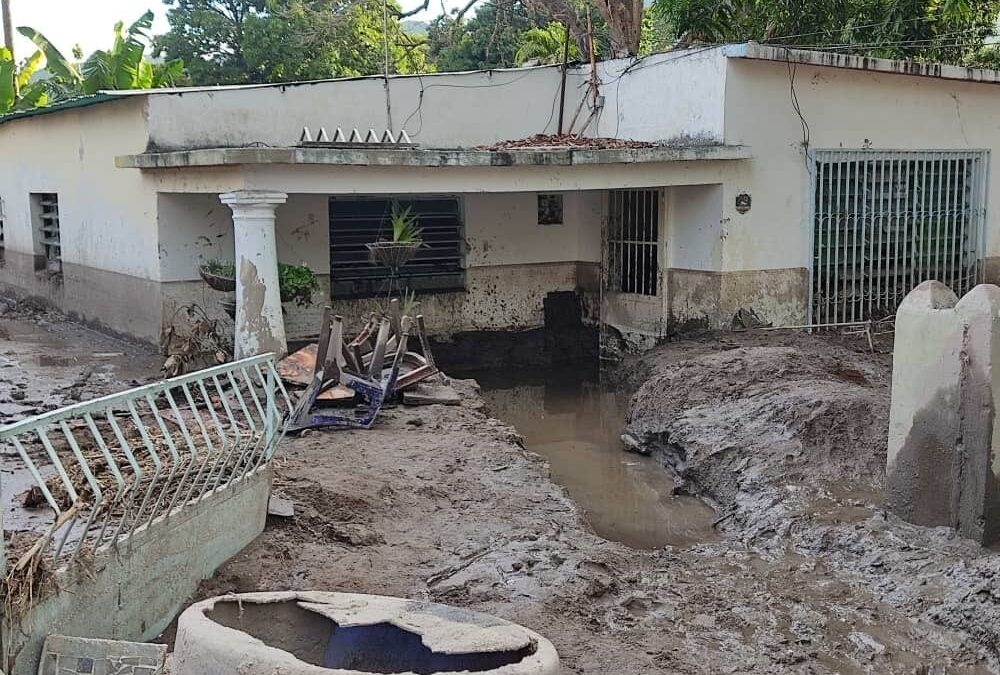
{"points": [[86, 478]]}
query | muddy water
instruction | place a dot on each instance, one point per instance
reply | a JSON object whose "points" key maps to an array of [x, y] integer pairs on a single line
{"points": [[576, 424]]}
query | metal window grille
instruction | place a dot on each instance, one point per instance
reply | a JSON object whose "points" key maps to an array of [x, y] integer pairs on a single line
{"points": [[438, 265], [47, 205], [885, 221], [86, 478], [633, 241]]}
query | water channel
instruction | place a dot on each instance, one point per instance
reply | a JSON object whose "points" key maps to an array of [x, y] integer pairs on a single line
{"points": [[575, 421]]}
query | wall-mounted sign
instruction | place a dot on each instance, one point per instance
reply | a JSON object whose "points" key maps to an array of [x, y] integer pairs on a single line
{"points": [[743, 202]]}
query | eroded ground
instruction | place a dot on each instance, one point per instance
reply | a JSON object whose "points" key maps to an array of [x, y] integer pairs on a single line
{"points": [[781, 434]]}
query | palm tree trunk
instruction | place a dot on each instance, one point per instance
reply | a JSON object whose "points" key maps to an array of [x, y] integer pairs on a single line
{"points": [[8, 26]]}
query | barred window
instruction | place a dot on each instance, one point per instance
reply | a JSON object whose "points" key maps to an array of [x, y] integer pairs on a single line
{"points": [[633, 241], [45, 213], [438, 265]]}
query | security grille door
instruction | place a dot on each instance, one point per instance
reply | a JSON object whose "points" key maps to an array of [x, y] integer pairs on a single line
{"points": [[886, 221], [633, 242], [438, 265]]}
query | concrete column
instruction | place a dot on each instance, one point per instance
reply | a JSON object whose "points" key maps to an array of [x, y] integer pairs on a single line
{"points": [[260, 327], [943, 463]]}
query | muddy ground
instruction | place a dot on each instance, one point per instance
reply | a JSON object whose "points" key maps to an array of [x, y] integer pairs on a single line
{"points": [[782, 434]]}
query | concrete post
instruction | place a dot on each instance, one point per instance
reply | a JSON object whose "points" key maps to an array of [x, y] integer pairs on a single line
{"points": [[260, 327], [943, 462]]}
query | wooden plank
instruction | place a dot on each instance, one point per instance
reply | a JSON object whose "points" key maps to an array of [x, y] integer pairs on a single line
{"points": [[378, 356], [425, 344], [323, 345], [395, 316]]}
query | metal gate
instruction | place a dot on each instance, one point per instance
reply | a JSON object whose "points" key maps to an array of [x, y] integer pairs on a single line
{"points": [[633, 242], [884, 221]]}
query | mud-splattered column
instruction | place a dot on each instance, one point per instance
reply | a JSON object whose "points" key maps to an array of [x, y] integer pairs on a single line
{"points": [[260, 327], [943, 463]]}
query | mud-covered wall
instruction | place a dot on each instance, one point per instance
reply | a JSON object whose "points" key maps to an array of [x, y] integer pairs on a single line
{"points": [[106, 215], [840, 109]]}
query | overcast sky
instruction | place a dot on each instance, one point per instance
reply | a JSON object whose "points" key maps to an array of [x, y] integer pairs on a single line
{"points": [[70, 22]]}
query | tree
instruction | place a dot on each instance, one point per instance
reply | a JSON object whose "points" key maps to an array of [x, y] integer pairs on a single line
{"points": [[939, 30], [17, 91], [489, 39], [257, 41], [546, 45]]}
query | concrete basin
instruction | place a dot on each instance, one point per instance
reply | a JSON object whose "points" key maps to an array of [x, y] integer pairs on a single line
{"points": [[314, 633]]}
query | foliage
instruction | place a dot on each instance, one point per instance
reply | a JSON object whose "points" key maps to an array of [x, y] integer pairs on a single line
{"points": [[489, 39], [17, 90], [296, 283], [220, 268], [256, 41], [940, 30], [405, 227], [546, 45], [125, 66]]}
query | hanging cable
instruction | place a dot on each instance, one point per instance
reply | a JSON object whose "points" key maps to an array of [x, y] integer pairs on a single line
{"points": [[385, 39]]}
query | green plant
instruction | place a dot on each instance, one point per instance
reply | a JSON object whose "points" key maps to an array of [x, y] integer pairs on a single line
{"points": [[220, 268], [297, 283], [405, 229]]}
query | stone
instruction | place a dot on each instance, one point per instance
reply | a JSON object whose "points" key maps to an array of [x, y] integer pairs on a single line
{"points": [[427, 393], [64, 655], [280, 507]]}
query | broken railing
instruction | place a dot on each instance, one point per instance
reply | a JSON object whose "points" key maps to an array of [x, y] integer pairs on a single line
{"points": [[86, 478]]}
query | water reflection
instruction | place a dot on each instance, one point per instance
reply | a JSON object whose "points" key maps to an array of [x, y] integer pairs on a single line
{"points": [[576, 423]]}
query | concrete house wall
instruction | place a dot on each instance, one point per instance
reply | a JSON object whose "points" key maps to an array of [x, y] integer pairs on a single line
{"points": [[766, 252], [132, 239], [107, 216]]}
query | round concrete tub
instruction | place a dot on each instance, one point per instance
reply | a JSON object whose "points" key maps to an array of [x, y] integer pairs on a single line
{"points": [[312, 633]]}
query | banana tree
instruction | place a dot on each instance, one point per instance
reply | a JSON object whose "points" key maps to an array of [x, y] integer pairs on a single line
{"points": [[17, 91], [124, 66]]}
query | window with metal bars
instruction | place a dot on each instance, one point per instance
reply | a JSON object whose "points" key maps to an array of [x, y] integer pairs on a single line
{"points": [[886, 221], [633, 241], [45, 212], [437, 267]]}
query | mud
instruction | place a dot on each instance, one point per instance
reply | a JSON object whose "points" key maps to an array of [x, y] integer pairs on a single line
{"points": [[784, 435]]}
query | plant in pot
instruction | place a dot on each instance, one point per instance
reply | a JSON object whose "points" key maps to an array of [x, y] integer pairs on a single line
{"points": [[407, 237], [296, 283]]}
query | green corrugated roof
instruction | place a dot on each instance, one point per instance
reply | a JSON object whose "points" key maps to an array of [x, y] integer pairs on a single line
{"points": [[79, 102]]}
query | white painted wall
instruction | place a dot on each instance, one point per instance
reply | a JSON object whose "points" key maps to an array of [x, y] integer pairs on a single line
{"points": [[194, 228], [694, 227], [677, 97], [107, 215], [844, 109], [503, 229], [445, 111]]}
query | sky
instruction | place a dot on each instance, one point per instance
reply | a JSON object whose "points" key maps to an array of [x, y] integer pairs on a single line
{"points": [[70, 22]]}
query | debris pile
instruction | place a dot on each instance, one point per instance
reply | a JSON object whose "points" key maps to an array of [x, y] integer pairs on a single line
{"points": [[352, 379], [541, 141]]}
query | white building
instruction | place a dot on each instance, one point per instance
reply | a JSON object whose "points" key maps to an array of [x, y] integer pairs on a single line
{"points": [[806, 186]]}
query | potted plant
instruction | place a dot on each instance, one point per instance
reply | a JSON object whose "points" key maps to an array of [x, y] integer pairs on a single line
{"points": [[296, 283], [219, 274], [406, 239]]}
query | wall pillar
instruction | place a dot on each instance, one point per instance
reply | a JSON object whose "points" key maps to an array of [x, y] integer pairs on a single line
{"points": [[943, 463], [260, 327]]}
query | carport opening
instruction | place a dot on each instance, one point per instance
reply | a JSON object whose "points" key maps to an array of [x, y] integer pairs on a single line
{"points": [[377, 648]]}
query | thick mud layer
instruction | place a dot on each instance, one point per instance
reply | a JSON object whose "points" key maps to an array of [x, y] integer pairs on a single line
{"points": [[446, 504], [787, 434]]}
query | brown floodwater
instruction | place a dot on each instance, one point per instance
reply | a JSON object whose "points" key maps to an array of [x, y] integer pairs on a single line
{"points": [[576, 423]]}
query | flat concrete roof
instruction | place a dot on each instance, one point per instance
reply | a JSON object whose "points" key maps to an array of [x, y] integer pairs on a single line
{"points": [[151, 161], [762, 52]]}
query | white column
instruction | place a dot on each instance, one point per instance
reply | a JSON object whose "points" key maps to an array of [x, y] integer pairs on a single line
{"points": [[260, 327]]}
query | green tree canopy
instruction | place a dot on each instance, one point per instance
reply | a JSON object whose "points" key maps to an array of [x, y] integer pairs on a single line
{"points": [[488, 39], [940, 30], [546, 45], [251, 41]]}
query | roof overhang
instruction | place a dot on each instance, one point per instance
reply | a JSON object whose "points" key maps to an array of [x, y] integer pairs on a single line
{"points": [[759, 52], [221, 157]]}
